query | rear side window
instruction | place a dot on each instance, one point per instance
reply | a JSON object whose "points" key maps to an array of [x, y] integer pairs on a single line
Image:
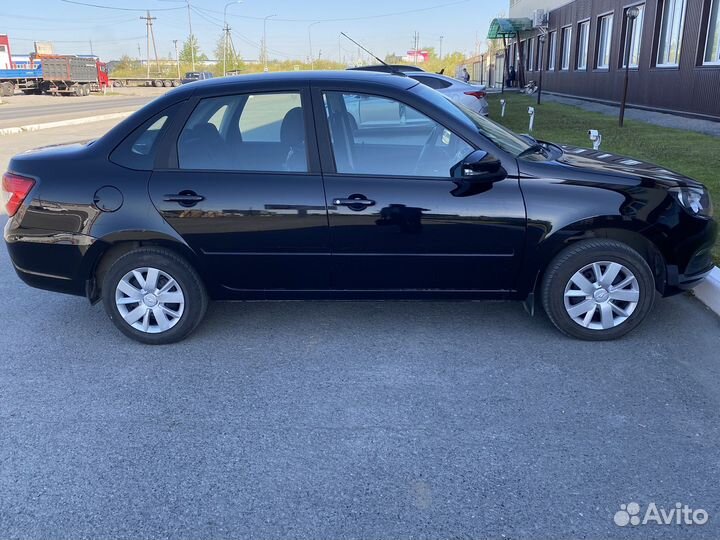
{"points": [[246, 132], [138, 149]]}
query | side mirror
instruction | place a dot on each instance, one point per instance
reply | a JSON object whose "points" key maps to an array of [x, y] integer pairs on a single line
{"points": [[479, 167]]}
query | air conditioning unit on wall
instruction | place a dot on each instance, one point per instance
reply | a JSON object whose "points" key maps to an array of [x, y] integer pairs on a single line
{"points": [[540, 18]]}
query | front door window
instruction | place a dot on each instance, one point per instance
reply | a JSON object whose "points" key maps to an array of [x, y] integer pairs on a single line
{"points": [[374, 135]]}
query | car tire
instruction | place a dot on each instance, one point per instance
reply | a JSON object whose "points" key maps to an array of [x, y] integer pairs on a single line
{"points": [[597, 290], [180, 307]]}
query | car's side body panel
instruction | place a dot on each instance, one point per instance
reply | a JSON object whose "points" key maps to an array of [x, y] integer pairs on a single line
{"points": [[421, 240]]}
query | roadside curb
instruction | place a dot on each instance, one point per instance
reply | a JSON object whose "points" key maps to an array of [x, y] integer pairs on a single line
{"points": [[708, 291], [62, 123]]}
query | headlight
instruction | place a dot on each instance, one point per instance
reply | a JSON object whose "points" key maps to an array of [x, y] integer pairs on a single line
{"points": [[695, 200]]}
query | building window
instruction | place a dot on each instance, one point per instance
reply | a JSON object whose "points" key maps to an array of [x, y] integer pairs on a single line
{"points": [[566, 40], [712, 47], [582, 47], [637, 29], [671, 29], [530, 61], [604, 41], [552, 50]]}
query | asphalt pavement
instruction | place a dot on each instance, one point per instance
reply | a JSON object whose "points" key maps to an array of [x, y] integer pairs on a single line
{"points": [[352, 420], [20, 110]]}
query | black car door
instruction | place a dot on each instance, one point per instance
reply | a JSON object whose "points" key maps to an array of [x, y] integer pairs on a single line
{"points": [[244, 190], [397, 219]]}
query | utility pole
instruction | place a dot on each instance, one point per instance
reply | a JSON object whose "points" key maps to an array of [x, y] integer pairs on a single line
{"points": [[190, 38], [150, 35], [264, 42], [441, 39], [139, 54], [226, 29], [91, 49], [415, 47], [177, 57], [312, 58]]}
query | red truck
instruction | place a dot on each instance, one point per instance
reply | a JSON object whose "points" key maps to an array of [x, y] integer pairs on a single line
{"points": [[76, 75]]}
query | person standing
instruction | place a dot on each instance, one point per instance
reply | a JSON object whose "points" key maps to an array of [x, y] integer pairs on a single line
{"points": [[465, 75], [512, 76]]}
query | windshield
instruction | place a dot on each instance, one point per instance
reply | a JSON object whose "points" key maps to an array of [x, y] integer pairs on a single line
{"points": [[502, 137], [192, 75]]}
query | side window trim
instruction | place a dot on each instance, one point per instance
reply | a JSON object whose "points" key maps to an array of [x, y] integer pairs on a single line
{"points": [[166, 157], [171, 111]]}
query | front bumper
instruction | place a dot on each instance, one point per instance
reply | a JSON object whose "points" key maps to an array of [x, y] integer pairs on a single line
{"points": [[695, 252]]}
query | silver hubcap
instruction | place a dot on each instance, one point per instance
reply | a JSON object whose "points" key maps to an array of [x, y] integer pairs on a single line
{"points": [[601, 295], [149, 300]]}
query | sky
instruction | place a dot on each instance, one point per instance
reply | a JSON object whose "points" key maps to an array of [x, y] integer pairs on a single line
{"points": [[381, 26]]}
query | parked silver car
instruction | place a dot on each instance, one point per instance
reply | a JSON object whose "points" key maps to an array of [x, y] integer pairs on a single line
{"points": [[470, 95]]}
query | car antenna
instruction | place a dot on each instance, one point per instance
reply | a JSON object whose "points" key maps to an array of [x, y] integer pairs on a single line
{"points": [[383, 62]]}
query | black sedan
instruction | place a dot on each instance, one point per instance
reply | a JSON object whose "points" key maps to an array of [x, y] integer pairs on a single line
{"points": [[347, 185]]}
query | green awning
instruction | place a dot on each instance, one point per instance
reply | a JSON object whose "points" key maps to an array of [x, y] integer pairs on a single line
{"points": [[500, 28]]}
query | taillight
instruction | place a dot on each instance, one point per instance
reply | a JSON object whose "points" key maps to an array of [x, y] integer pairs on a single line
{"points": [[14, 190], [476, 93]]}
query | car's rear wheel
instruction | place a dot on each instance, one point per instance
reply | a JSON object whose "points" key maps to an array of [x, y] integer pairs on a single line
{"points": [[598, 290], [154, 296]]}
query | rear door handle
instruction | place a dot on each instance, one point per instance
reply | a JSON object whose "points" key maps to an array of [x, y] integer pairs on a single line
{"points": [[354, 202], [184, 198]]}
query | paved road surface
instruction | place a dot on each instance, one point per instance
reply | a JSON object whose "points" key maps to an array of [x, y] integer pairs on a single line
{"points": [[22, 110], [351, 420], [84, 106]]}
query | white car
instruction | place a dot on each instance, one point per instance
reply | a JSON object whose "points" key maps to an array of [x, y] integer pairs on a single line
{"points": [[471, 96]]}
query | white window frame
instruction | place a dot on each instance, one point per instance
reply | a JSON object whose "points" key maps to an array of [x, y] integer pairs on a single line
{"points": [[680, 36], [552, 50], [531, 54], [565, 46], [636, 43], [601, 53], [714, 4], [583, 46]]}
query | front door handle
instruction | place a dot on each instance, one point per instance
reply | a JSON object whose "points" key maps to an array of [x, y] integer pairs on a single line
{"points": [[355, 202], [184, 198]]}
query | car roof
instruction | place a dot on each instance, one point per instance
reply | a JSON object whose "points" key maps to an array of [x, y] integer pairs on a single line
{"points": [[219, 83]]}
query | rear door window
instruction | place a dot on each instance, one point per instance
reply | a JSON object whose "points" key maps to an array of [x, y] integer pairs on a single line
{"points": [[247, 132]]}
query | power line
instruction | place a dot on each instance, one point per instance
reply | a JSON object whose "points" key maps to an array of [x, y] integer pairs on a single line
{"points": [[117, 8], [343, 19], [96, 41], [254, 44]]}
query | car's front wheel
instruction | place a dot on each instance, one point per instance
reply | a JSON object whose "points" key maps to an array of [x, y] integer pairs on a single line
{"points": [[154, 296], [598, 290]]}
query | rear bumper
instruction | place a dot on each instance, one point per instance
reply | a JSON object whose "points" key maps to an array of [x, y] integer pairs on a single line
{"points": [[48, 260]]}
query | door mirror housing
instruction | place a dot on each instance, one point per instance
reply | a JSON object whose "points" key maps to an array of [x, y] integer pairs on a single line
{"points": [[478, 167]]}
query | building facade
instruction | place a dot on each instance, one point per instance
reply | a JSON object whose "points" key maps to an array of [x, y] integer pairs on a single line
{"points": [[674, 52]]}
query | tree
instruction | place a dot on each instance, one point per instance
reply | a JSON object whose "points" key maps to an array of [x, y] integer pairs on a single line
{"points": [[232, 58], [186, 53]]}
